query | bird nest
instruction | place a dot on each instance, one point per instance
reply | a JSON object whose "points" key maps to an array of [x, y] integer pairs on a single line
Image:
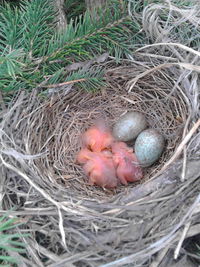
{"points": [[76, 224]]}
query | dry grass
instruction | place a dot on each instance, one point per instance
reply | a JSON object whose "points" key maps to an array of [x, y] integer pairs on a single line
{"points": [[74, 224]]}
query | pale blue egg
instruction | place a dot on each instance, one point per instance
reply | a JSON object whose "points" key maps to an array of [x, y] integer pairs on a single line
{"points": [[149, 146]]}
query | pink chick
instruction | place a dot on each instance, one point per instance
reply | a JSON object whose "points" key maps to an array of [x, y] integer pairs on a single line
{"points": [[98, 137], [83, 155], [99, 167], [126, 163]]}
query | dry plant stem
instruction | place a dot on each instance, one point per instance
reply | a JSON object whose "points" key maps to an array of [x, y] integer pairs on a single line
{"points": [[184, 164], [70, 260], [157, 246], [61, 19], [2, 104], [158, 56], [185, 150], [159, 67], [32, 253], [2, 179], [91, 4], [64, 83], [160, 256], [194, 256], [46, 252], [186, 48], [42, 192], [182, 145], [22, 262], [193, 230], [46, 196], [197, 210], [185, 230]]}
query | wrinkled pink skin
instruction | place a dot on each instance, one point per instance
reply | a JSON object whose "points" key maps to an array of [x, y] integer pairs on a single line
{"points": [[99, 167], [82, 156], [97, 137], [126, 163]]}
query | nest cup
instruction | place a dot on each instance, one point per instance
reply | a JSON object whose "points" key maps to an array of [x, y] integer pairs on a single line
{"points": [[50, 130], [165, 112], [57, 124]]}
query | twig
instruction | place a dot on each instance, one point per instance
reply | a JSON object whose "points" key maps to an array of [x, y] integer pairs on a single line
{"points": [[46, 196], [185, 230], [71, 259], [64, 83], [159, 258], [194, 230], [45, 251], [185, 150], [61, 18], [3, 106], [158, 56], [184, 164], [181, 146], [191, 254], [32, 253], [188, 49], [161, 66], [40, 190], [156, 246]]}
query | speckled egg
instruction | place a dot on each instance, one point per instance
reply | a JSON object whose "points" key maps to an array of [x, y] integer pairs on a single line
{"points": [[129, 126], [149, 146]]}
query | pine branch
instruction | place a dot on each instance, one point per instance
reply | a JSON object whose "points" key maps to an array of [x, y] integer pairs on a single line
{"points": [[9, 242], [26, 27], [38, 20], [33, 51], [93, 42], [87, 37], [88, 78]]}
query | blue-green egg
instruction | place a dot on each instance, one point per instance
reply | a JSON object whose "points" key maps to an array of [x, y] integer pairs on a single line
{"points": [[149, 146]]}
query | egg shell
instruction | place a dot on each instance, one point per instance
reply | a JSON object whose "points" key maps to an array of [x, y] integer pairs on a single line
{"points": [[129, 126], [149, 146]]}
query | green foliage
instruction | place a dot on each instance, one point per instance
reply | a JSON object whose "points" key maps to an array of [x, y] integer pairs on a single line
{"points": [[9, 242], [37, 18], [21, 34], [33, 51], [84, 40], [25, 27], [11, 61]]}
